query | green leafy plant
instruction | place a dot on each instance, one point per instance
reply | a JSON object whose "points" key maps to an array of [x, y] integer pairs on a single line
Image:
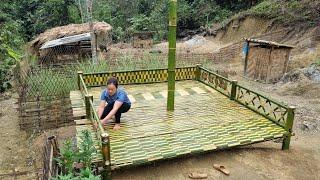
{"points": [[86, 149], [64, 177], [7, 64], [67, 158], [86, 174], [317, 61], [140, 23]]}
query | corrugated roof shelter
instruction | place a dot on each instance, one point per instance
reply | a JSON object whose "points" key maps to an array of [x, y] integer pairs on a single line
{"points": [[70, 43], [265, 61], [66, 40]]}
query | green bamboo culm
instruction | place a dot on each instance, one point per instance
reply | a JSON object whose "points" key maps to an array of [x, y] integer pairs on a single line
{"points": [[172, 53]]}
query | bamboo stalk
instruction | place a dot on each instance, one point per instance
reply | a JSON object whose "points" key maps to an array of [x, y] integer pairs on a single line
{"points": [[172, 53], [233, 89], [288, 127], [105, 149], [80, 73], [198, 72], [88, 98]]}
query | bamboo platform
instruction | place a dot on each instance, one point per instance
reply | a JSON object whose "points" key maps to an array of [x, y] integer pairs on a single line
{"points": [[203, 120]]}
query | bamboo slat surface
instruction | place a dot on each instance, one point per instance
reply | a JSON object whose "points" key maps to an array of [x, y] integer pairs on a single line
{"points": [[203, 120]]}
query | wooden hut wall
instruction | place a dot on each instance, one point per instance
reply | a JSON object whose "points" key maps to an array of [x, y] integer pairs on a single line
{"points": [[279, 61], [267, 64], [258, 60]]}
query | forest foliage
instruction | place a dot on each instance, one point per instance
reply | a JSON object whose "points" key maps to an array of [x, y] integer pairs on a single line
{"points": [[22, 20]]}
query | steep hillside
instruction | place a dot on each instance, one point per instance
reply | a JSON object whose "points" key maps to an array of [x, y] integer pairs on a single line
{"points": [[295, 23]]}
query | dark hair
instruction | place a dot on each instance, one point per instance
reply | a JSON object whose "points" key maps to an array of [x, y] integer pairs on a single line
{"points": [[113, 80]]}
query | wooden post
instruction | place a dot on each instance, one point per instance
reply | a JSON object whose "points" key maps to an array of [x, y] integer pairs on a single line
{"points": [[88, 98], [106, 155], [172, 53], [54, 143], [198, 72], [80, 73], [233, 89], [288, 128], [246, 58]]}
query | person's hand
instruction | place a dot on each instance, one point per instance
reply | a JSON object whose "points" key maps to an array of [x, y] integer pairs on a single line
{"points": [[95, 125], [102, 122]]}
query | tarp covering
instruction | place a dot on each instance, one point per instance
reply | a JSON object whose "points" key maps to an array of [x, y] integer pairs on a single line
{"points": [[66, 40]]}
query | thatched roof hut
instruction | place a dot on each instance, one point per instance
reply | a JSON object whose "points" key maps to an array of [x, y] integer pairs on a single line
{"points": [[63, 34]]}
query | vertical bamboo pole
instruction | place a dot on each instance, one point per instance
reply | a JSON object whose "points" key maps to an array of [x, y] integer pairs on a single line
{"points": [[233, 89], [288, 128], [106, 155], [198, 72], [80, 73], [172, 53], [88, 98]]}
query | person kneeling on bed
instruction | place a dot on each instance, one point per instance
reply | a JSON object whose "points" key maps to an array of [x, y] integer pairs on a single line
{"points": [[117, 103]]}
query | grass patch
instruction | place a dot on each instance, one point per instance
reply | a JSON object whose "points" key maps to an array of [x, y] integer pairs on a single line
{"points": [[287, 11], [48, 82], [317, 61]]}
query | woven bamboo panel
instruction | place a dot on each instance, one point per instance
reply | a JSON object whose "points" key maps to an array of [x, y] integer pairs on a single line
{"points": [[139, 77], [40, 115], [216, 81], [203, 120]]}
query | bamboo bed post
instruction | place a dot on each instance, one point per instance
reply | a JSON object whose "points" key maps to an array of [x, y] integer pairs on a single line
{"points": [[80, 73], [172, 53], [198, 72], [233, 89], [288, 128], [105, 149], [88, 98]]}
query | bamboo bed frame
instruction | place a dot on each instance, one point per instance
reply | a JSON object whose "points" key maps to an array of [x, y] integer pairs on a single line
{"points": [[233, 115]]}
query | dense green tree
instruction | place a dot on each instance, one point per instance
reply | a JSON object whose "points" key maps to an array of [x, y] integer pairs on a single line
{"points": [[39, 15]]}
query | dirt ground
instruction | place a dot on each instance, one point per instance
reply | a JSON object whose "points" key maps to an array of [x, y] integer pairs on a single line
{"points": [[16, 151], [20, 152], [259, 161]]}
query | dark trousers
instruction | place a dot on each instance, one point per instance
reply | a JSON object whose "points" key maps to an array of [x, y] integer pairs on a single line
{"points": [[123, 108]]}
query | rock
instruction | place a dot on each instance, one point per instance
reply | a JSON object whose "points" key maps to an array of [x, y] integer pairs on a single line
{"points": [[292, 76], [313, 72], [196, 40], [307, 126]]}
